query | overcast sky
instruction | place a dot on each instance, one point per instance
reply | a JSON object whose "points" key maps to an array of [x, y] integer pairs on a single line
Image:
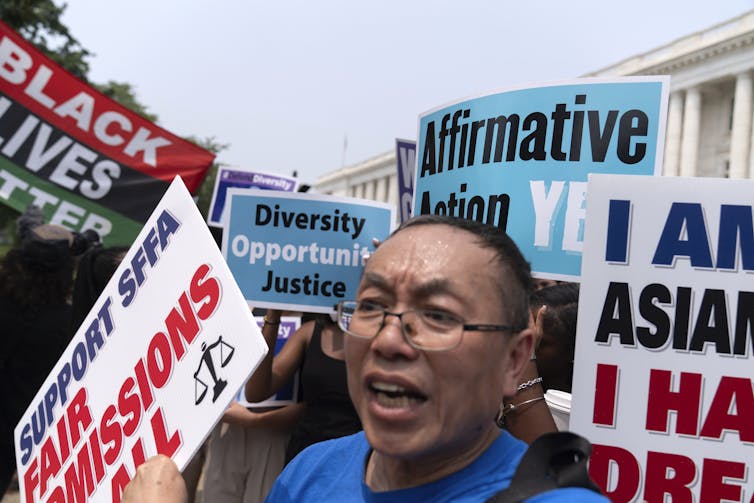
{"points": [[284, 82]]}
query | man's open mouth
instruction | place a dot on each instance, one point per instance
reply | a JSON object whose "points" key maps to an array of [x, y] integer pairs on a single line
{"points": [[394, 396]]}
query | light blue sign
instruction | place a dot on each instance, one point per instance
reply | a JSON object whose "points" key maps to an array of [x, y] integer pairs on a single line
{"points": [[519, 159], [300, 251]]}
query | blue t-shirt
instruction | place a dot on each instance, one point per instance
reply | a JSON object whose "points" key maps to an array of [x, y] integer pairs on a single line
{"points": [[334, 471]]}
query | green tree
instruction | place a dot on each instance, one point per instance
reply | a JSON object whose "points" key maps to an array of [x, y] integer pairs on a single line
{"points": [[8, 218], [38, 21], [123, 93], [204, 194]]}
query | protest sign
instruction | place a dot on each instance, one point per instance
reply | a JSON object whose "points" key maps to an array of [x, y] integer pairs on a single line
{"points": [[662, 375], [85, 160], [152, 368], [300, 252], [228, 177], [405, 155], [289, 393], [519, 159]]}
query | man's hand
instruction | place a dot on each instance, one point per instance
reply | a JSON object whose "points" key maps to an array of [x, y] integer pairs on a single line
{"points": [[157, 481]]}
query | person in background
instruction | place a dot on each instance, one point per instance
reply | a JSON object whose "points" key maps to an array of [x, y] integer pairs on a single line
{"points": [[526, 415], [95, 268], [555, 312], [248, 449], [540, 283], [316, 349], [438, 331], [36, 277], [555, 323], [529, 414], [246, 452]]}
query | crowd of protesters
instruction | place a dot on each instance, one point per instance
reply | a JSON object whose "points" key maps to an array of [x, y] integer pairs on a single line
{"points": [[52, 277], [36, 283]]}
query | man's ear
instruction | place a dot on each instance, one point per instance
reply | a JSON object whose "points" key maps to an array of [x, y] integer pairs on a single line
{"points": [[537, 326], [519, 353]]}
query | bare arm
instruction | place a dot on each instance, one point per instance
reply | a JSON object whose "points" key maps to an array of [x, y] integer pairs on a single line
{"points": [[530, 416], [274, 372], [529, 421], [282, 419]]}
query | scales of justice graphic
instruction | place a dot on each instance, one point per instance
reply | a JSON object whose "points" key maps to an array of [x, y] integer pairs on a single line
{"points": [[219, 351]]}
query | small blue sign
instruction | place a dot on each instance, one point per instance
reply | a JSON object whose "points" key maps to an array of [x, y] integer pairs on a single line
{"points": [[228, 178], [289, 393]]}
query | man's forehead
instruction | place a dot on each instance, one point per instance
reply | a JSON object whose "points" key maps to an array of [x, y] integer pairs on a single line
{"points": [[435, 242], [416, 245], [430, 236], [441, 252]]}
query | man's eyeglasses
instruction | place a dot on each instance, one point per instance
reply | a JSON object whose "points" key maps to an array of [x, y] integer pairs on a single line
{"points": [[425, 329]]}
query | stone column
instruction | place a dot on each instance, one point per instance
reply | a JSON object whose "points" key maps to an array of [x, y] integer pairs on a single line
{"points": [[692, 113], [381, 189], [392, 190], [673, 134], [741, 131], [750, 167]]}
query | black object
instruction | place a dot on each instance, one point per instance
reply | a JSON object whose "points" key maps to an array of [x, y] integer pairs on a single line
{"points": [[83, 241], [217, 235], [30, 218], [218, 384], [552, 461]]}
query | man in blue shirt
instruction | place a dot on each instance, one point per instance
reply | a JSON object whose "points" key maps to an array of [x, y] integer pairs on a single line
{"points": [[437, 335]]}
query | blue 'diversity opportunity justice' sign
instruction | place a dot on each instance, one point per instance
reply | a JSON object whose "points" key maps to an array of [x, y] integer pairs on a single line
{"points": [[519, 159], [300, 251]]}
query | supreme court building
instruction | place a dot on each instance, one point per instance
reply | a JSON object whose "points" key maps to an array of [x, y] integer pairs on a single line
{"points": [[709, 129]]}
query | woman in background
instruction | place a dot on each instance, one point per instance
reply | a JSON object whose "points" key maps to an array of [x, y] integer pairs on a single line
{"points": [[556, 308], [36, 277], [316, 349], [555, 323], [95, 268]]}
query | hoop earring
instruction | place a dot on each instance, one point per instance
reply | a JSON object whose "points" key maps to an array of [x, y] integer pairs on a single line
{"points": [[500, 417]]}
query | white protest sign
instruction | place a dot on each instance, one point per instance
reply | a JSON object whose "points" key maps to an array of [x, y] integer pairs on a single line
{"points": [[662, 375], [151, 369]]}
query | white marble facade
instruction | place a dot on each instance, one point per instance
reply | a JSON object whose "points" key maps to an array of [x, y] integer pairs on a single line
{"points": [[710, 113], [709, 131], [375, 178]]}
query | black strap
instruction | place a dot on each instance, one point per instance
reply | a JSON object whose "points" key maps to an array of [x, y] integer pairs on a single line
{"points": [[552, 461]]}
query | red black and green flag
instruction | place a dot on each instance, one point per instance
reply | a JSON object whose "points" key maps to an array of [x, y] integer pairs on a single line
{"points": [[87, 161]]}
